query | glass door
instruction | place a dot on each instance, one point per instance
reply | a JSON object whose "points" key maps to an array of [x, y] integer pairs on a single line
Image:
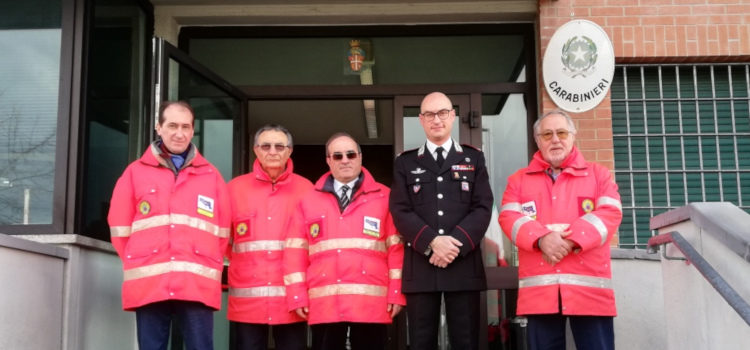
{"points": [[220, 121], [220, 107]]}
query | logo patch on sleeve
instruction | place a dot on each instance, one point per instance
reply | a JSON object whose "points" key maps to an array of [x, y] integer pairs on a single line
{"points": [[314, 230], [529, 209], [585, 205], [144, 207], [241, 228]]}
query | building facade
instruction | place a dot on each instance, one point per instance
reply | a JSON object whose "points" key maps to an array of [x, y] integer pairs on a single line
{"points": [[80, 81]]}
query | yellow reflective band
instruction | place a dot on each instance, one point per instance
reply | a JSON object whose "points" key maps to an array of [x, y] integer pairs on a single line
{"points": [[180, 219], [258, 292], [347, 243], [172, 266], [299, 243], [512, 206], [517, 226], [343, 289], [119, 231], [392, 240], [605, 200], [394, 274], [565, 278], [254, 246], [292, 278], [598, 224]]}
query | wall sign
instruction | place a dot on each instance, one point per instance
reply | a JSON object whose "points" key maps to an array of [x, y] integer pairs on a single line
{"points": [[578, 66]]}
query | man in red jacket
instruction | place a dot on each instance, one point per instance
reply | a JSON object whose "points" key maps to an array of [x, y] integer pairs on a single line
{"points": [[169, 220], [342, 261], [562, 211], [263, 203]]}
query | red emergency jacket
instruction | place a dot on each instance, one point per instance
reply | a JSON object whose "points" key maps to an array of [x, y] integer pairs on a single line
{"points": [[262, 211], [170, 230], [346, 267], [584, 197]]}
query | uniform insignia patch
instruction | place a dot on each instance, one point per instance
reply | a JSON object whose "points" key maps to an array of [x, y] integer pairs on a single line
{"points": [[465, 186], [314, 230], [456, 175], [241, 228], [418, 171], [529, 209], [416, 188], [467, 159], [371, 227], [586, 205], [205, 206], [144, 207]]}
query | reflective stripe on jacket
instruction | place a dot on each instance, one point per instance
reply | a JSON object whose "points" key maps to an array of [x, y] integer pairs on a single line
{"points": [[346, 267], [261, 214], [583, 200], [169, 230]]}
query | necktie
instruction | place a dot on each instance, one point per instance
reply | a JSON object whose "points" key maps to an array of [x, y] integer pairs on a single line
{"points": [[439, 159], [344, 199], [177, 160]]}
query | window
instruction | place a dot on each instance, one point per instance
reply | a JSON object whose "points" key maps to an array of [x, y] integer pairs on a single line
{"points": [[681, 134], [30, 39]]}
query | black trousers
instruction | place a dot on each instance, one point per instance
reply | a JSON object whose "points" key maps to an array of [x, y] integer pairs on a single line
{"points": [[547, 332], [462, 314], [254, 336], [363, 336]]}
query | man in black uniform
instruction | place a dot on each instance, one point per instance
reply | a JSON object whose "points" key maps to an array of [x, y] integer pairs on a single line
{"points": [[441, 203]]}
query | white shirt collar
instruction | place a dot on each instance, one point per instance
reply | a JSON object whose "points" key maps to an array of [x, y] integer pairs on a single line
{"points": [[446, 147], [337, 186]]}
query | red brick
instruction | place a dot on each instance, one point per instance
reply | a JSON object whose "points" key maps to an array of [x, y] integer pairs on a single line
{"points": [[659, 2], [586, 134], [621, 2], [602, 155], [691, 20], [709, 10], [622, 21], [691, 33], [673, 10], [605, 134], [692, 48], [669, 33], [606, 11], [722, 2], [702, 35], [641, 11], [712, 32], [627, 33], [648, 33], [712, 48], [671, 49], [738, 9], [725, 19], [681, 40], [649, 49], [657, 20], [585, 2]]}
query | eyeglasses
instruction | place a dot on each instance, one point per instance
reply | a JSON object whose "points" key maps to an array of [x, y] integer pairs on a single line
{"points": [[279, 147], [340, 156], [442, 114], [562, 134]]}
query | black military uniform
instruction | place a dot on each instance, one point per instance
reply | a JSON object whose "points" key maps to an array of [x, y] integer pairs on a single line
{"points": [[427, 201]]}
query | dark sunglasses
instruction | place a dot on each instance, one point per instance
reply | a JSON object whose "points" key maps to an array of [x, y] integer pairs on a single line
{"points": [[267, 147], [340, 156]]}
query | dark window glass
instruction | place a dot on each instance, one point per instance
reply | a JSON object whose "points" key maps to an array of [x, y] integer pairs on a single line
{"points": [[115, 106]]}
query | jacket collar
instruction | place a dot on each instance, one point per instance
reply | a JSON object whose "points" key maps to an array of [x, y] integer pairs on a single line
{"points": [[156, 156], [366, 183], [572, 164], [262, 175], [423, 148]]}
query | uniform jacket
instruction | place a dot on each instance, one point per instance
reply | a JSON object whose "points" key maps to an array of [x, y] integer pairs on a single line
{"points": [[345, 266], [261, 215], [585, 199], [170, 229], [427, 201]]}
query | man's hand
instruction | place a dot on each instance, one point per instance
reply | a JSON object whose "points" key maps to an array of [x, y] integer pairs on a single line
{"points": [[444, 250], [394, 309], [303, 312], [555, 247]]}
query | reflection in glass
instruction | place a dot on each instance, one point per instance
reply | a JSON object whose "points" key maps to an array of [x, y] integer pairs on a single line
{"points": [[30, 73]]}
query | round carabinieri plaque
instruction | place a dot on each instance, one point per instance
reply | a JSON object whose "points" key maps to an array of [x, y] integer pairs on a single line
{"points": [[578, 66]]}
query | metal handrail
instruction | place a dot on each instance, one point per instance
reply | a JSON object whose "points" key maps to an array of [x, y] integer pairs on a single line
{"points": [[709, 273]]}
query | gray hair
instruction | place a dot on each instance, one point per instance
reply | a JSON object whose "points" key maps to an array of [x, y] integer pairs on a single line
{"points": [[571, 124], [274, 127]]}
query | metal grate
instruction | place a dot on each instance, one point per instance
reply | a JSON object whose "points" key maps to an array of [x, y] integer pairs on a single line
{"points": [[681, 134]]}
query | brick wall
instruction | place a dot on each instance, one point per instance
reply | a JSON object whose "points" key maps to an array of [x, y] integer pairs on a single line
{"points": [[648, 31]]}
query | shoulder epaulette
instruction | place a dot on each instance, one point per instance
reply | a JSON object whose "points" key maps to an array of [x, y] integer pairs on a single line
{"points": [[471, 146], [408, 150]]}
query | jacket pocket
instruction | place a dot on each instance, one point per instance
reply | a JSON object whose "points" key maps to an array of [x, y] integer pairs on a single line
{"points": [[416, 184]]}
